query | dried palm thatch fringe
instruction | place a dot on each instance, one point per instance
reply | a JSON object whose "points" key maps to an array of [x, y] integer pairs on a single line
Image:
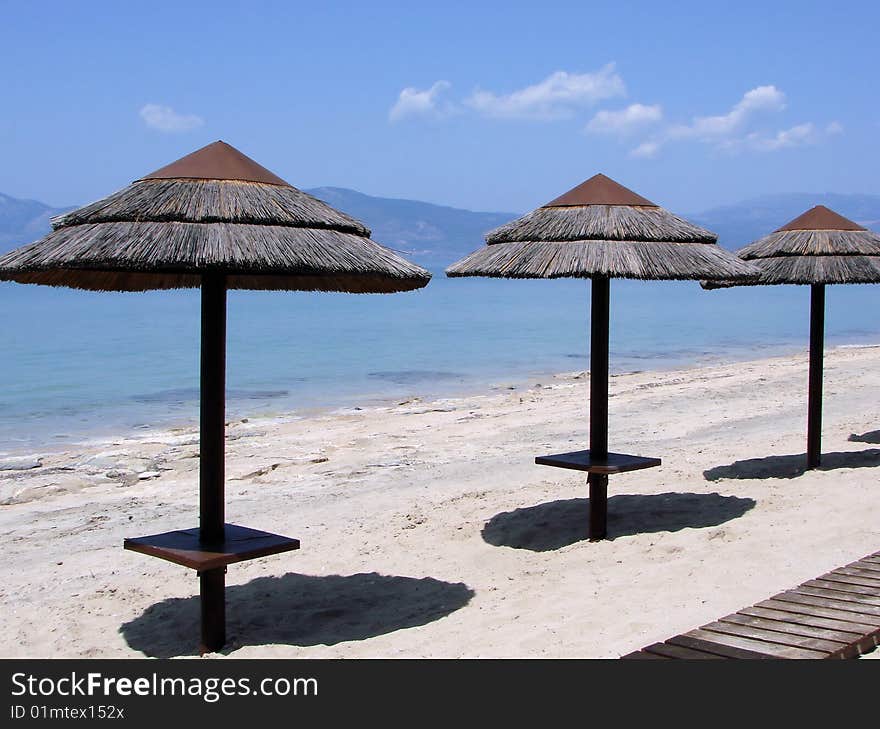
{"points": [[813, 243], [162, 234], [602, 223], [584, 259], [213, 201], [101, 255], [108, 280], [811, 257], [809, 270], [820, 269]]}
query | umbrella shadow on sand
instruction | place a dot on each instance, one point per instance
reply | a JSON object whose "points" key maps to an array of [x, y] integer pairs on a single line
{"points": [[872, 436], [792, 466], [558, 524], [300, 610]]}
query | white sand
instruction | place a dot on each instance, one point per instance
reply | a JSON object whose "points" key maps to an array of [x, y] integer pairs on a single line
{"points": [[412, 544]]}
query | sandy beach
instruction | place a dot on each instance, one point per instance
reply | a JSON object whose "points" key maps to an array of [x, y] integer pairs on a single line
{"points": [[428, 531]]}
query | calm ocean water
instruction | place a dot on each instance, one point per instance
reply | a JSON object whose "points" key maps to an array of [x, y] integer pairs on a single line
{"points": [[79, 364]]}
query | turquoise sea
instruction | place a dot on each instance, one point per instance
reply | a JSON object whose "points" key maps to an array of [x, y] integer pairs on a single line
{"points": [[78, 365]]}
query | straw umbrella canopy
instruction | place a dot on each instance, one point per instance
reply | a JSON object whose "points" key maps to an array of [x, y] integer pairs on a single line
{"points": [[817, 248], [600, 230], [213, 220], [214, 211]]}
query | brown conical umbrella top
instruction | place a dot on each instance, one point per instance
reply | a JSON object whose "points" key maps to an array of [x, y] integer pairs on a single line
{"points": [[217, 161], [599, 190], [820, 218]]}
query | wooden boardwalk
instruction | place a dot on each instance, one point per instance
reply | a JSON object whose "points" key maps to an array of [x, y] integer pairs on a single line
{"points": [[836, 615]]}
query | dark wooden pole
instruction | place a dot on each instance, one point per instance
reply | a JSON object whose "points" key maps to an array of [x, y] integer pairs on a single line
{"points": [[212, 597], [599, 326], [212, 465], [817, 347]]}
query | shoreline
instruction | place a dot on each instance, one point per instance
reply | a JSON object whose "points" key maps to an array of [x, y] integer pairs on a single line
{"points": [[427, 529], [377, 400]]}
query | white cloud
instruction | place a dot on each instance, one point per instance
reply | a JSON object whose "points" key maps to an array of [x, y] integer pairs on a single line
{"points": [[735, 130], [794, 137], [416, 102], [556, 97], [624, 121], [165, 119], [723, 126], [646, 150]]}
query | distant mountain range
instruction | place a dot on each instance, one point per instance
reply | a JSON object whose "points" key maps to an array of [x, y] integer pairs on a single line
{"points": [[22, 221], [745, 221], [432, 235], [435, 235]]}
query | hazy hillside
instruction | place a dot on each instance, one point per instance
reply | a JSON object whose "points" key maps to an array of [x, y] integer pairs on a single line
{"points": [[432, 235], [435, 235], [22, 221]]}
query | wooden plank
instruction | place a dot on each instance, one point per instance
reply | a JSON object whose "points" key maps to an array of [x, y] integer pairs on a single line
{"points": [[767, 650], [828, 598], [845, 642], [679, 651], [719, 649], [789, 624], [863, 637], [642, 656], [873, 578], [817, 645], [849, 579], [864, 564], [864, 567], [859, 571], [806, 616], [822, 606], [866, 594], [830, 589]]}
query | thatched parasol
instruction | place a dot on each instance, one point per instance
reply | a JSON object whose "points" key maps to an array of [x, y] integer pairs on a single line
{"points": [[600, 230], [218, 211], [817, 248], [217, 220]]}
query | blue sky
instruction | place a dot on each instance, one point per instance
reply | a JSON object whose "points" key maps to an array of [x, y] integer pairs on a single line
{"points": [[488, 106]]}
